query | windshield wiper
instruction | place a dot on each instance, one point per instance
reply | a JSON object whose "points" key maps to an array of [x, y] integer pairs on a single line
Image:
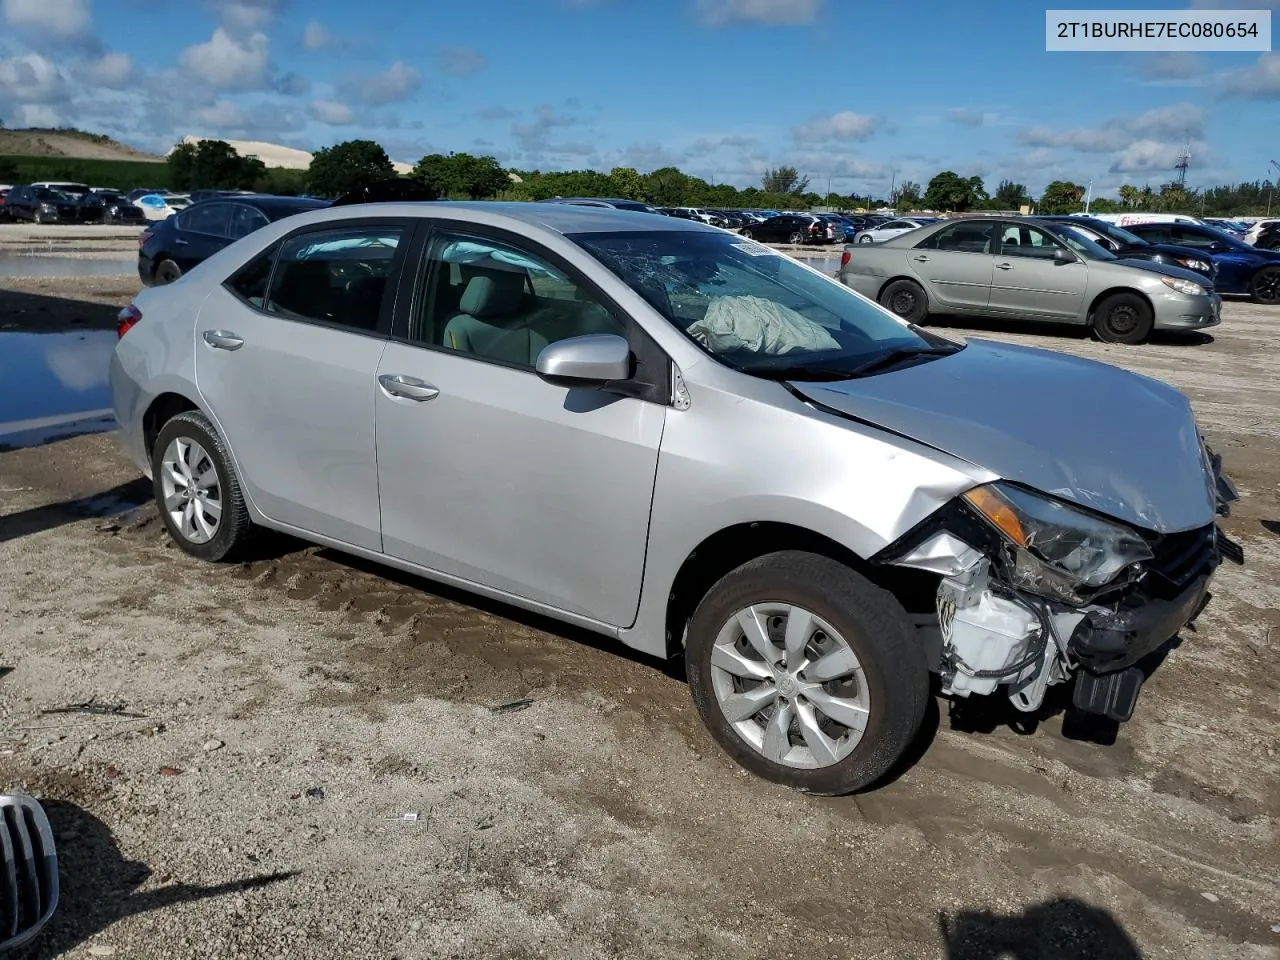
{"points": [[898, 355], [800, 372]]}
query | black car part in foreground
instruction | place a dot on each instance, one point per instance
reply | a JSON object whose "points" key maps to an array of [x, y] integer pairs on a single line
{"points": [[29, 879]]}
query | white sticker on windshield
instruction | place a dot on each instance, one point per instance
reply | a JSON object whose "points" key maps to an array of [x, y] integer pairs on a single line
{"points": [[755, 249]]}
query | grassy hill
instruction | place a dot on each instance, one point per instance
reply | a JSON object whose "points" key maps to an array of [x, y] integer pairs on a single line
{"points": [[68, 143]]}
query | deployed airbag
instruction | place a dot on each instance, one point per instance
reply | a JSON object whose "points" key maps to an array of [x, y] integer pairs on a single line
{"points": [[761, 326]]}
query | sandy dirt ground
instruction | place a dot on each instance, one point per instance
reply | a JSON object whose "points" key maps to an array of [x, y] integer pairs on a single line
{"points": [[228, 754]]}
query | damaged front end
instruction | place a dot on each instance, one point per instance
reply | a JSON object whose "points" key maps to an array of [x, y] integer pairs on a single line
{"points": [[1035, 591]]}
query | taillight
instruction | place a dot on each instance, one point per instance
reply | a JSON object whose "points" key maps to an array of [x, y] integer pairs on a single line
{"points": [[845, 258], [143, 237], [125, 320]]}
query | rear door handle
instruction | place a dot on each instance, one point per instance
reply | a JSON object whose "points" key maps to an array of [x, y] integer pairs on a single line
{"points": [[223, 340], [1004, 266], [410, 388], [920, 259]]}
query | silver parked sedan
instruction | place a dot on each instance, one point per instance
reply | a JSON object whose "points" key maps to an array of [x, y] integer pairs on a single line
{"points": [[684, 440], [1027, 270]]}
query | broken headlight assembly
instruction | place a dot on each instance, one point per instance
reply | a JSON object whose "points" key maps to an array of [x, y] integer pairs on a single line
{"points": [[1054, 550]]}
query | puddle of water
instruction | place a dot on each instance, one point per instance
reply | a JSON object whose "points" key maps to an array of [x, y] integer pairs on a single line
{"points": [[29, 266], [54, 385]]}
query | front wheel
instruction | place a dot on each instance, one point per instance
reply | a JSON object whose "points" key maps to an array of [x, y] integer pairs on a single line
{"points": [[1123, 318], [747, 233], [866, 239], [1265, 287], [806, 673], [197, 492]]}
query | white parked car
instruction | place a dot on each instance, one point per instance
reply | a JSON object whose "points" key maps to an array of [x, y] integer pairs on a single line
{"points": [[161, 206], [887, 231], [1256, 228]]}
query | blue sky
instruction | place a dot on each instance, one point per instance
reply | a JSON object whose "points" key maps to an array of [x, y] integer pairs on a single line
{"points": [[856, 91]]}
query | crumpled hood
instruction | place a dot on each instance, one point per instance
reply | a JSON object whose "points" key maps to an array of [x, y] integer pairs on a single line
{"points": [[1086, 432]]}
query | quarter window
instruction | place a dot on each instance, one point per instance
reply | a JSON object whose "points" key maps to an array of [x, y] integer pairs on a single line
{"points": [[497, 302], [335, 276]]}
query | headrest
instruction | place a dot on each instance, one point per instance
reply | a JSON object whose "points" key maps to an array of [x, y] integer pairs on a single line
{"points": [[493, 293]]}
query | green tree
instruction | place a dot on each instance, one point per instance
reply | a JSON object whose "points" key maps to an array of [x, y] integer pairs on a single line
{"points": [[1061, 196], [626, 183], [949, 191], [8, 170], [907, 196], [784, 180], [213, 165], [1010, 195], [345, 166], [666, 187], [462, 175]]}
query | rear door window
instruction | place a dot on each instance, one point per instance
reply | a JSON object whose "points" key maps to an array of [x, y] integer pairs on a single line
{"points": [[338, 276], [209, 219], [961, 238]]}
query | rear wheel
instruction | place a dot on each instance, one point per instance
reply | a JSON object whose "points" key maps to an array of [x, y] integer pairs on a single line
{"points": [[1266, 285], [907, 299], [197, 492], [746, 232], [797, 238], [166, 272], [807, 674], [1122, 318]]}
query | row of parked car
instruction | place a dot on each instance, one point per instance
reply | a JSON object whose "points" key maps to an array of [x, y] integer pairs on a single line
{"points": [[1122, 282], [73, 203]]}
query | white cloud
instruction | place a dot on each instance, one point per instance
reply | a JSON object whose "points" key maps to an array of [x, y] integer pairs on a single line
{"points": [[31, 79], [398, 82], [1258, 82], [112, 70], [461, 61], [248, 16], [332, 112], [227, 63], [721, 13], [63, 19], [219, 116], [316, 36], [1178, 121], [845, 125], [1144, 156], [37, 115]]}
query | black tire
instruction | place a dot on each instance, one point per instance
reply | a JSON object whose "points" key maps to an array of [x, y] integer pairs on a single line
{"points": [[797, 238], [907, 299], [1122, 318], [865, 238], [1265, 286], [746, 232], [872, 622], [167, 272], [235, 530], [38, 217]]}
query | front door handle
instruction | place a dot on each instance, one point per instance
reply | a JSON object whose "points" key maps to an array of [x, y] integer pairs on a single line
{"points": [[180, 242], [920, 259], [1004, 266], [410, 388], [223, 340]]}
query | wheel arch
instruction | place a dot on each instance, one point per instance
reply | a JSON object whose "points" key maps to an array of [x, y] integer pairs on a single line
{"points": [[160, 411], [732, 546], [1111, 292]]}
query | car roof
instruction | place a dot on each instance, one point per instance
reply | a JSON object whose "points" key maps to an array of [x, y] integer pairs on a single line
{"points": [[563, 218]]}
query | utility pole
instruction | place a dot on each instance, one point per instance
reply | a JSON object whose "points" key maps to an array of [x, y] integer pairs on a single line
{"points": [[1088, 196], [892, 180], [1272, 192]]}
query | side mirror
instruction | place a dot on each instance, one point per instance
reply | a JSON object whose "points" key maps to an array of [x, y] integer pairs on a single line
{"points": [[588, 361], [1063, 255]]}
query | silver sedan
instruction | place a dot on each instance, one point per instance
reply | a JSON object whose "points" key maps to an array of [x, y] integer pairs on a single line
{"points": [[1027, 270], [688, 442]]}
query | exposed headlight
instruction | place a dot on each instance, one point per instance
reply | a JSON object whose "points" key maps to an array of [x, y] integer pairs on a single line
{"points": [[1184, 286], [1201, 266], [1056, 550]]}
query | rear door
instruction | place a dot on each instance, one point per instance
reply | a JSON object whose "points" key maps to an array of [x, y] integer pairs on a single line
{"points": [[200, 232], [956, 264], [287, 354], [492, 475], [1029, 281]]}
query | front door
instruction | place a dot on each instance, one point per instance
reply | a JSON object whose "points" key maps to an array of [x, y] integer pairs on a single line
{"points": [[201, 232], [1030, 281], [492, 475], [956, 264], [288, 372]]}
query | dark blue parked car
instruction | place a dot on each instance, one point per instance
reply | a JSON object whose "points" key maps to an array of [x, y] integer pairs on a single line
{"points": [[173, 246], [1242, 269]]}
